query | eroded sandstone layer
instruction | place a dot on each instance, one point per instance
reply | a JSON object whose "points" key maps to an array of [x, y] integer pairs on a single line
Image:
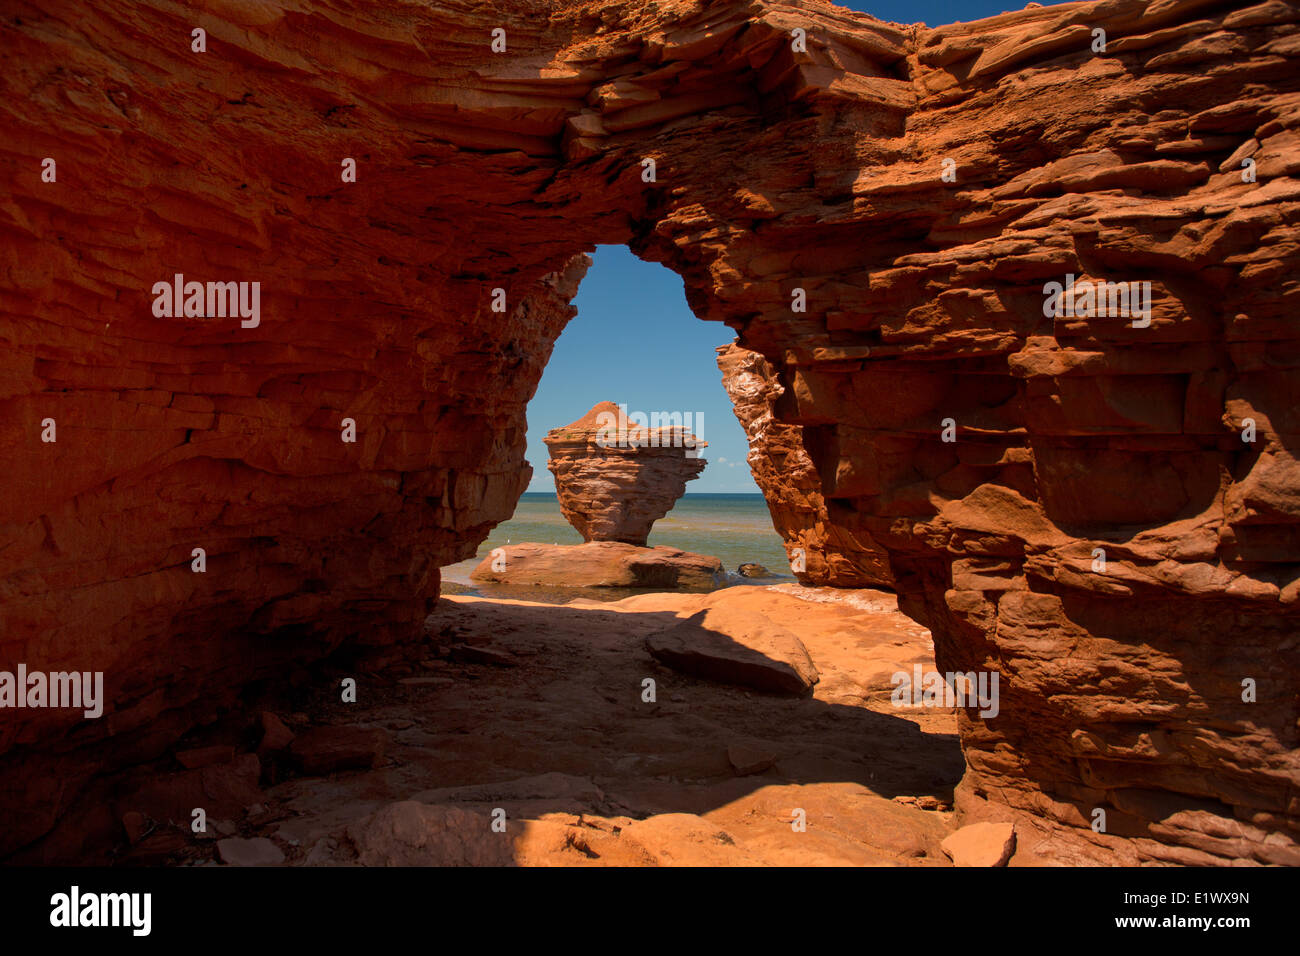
{"points": [[615, 478], [821, 551], [921, 186], [600, 564]]}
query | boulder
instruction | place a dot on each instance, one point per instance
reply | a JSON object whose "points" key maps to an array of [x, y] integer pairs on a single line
{"points": [[323, 750], [735, 646], [276, 735], [600, 564], [981, 844], [746, 758]]}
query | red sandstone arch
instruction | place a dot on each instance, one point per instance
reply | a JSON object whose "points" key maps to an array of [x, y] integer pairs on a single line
{"points": [[775, 170]]}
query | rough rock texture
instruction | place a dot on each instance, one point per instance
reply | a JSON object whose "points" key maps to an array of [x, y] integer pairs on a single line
{"points": [[325, 750], [222, 791], [732, 644], [616, 478], [589, 773], [415, 834], [981, 844], [820, 551], [533, 739], [601, 564], [258, 851], [776, 171], [747, 759]]}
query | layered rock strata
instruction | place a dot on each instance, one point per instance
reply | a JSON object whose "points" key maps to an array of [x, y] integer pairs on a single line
{"points": [[821, 552], [1101, 511], [600, 564], [615, 478]]}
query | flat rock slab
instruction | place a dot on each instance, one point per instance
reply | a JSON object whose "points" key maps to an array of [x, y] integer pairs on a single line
{"points": [[559, 788], [328, 749], [746, 758], [735, 646], [259, 851], [981, 844], [417, 834], [600, 564]]}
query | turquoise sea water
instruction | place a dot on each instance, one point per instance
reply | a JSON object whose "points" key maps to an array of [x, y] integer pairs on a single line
{"points": [[735, 528]]}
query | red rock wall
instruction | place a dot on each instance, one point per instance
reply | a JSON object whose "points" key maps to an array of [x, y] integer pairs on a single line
{"points": [[775, 171], [821, 551]]}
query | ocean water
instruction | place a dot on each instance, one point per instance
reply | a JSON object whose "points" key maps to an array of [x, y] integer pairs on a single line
{"points": [[733, 528]]}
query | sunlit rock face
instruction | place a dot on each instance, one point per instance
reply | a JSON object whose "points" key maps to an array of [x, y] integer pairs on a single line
{"points": [[821, 551], [615, 478], [1101, 508]]}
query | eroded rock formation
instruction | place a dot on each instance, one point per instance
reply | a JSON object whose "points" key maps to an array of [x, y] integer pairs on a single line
{"points": [[600, 564], [921, 186], [821, 551], [615, 478]]}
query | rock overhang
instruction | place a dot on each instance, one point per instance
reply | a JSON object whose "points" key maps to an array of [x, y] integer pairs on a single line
{"points": [[823, 171]]}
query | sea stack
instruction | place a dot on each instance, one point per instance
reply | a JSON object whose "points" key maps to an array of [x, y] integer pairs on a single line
{"points": [[616, 477]]}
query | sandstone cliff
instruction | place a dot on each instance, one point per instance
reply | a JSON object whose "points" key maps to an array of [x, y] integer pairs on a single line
{"points": [[821, 551], [1096, 530]]}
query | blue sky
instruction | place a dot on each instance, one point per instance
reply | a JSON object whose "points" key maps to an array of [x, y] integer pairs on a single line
{"points": [[935, 13], [635, 341]]}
